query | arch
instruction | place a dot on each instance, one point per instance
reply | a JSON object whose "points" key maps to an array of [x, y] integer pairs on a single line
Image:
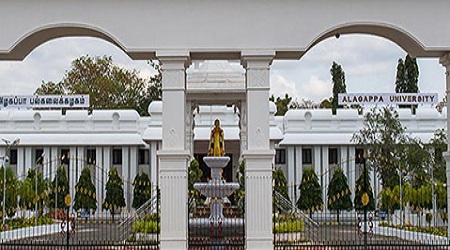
{"points": [[36, 37], [399, 36]]}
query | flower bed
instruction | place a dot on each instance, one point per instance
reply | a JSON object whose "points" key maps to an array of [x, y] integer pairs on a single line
{"points": [[289, 226], [17, 223]]}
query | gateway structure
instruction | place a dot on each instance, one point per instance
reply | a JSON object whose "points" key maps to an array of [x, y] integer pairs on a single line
{"points": [[124, 140]]}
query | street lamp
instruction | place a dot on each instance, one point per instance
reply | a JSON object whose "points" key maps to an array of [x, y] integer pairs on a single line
{"points": [[9, 145]]}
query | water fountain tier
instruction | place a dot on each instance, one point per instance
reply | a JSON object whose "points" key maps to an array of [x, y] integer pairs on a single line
{"points": [[217, 190]]}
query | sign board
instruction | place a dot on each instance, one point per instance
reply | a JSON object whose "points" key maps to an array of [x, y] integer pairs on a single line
{"points": [[387, 98], [44, 101], [381, 214]]}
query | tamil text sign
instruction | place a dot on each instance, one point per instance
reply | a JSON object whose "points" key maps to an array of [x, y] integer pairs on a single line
{"points": [[44, 101], [387, 98]]}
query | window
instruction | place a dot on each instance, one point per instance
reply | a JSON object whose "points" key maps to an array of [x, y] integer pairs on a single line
{"points": [[38, 157], [280, 156], [333, 156], [91, 156], [65, 155], [143, 157], [359, 155], [307, 156], [117, 156], [13, 157]]}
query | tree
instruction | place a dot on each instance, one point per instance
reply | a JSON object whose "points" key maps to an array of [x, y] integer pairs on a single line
{"points": [[108, 85], [326, 104], [50, 88], [310, 192], [239, 194], [194, 175], [11, 191], [407, 77], [280, 182], [85, 192], [389, 201], [142, 190], [282, 104], [415, 159], [381, 134], [339, 193], [115, 199], [438, 145], [359, 192], [304, 104], [28, 195], [338, 79], [60, 189]]}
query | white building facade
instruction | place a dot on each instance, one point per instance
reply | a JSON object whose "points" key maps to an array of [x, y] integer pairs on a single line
{"points": [[123, 139]]}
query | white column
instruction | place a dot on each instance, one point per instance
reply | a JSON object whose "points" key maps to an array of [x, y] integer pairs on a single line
{"points": [[317, 165], [258, 156], [99, 184], [298, 172], [55, 162], [174, 155], [126, 174], [344, 160], [29, 161], [290, 151], [352, 171], [73, 171], [46, 168], [153, 162], [325, 175], [81, 161], [133, 171], [2, 154], [21, 163], [106, 166]]}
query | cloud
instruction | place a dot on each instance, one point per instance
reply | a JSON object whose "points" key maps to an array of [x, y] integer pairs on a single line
{"points": [[314, 89]]}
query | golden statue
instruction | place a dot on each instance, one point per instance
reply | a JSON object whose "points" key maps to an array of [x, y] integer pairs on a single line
{"points": [[217, 141]]}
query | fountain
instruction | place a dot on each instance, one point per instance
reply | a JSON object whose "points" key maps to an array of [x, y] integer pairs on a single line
{"points": [[217, 191]]}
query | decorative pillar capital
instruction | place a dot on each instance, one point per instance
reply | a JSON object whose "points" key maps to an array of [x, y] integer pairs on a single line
{"points": [[257, 59], [174, 59], [445, 61]]}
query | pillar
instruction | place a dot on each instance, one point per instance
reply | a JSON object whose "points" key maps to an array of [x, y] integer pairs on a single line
{"points": [[81, 161], [133, 171], [47, 161], [298, 172], [445, 61], [2, 154], [21, 163], [99, 184], [317, 165], [258, 155], [325, 175], [105, 167], [290, 151], [344, 160], [352, 171], [126, 175], [72, 172], [29, 161], [174, 154], [55, 161]]}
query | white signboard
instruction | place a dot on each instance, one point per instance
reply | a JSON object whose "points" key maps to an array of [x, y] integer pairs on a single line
{"points": [[387, 98], [44, 101]]}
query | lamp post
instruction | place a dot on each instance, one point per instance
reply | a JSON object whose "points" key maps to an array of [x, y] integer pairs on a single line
{"points": [[9, 145]]}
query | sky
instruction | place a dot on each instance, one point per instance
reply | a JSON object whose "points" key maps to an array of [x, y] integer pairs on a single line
{"points": [[369, 63]]}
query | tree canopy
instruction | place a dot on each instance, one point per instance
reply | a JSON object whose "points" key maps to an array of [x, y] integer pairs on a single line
{"points": [[60, 188], [310, 199], [407, 77], [361, 188], [338, 79], [12, 185], [85, 192], [339, 193], [381, 134], [282, 104], [142, 191], [109, 86], [115, 199]]}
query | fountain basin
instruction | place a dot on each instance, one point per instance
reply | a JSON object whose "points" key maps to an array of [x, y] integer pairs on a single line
{"points": [[216, 161], [216, 189]]}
